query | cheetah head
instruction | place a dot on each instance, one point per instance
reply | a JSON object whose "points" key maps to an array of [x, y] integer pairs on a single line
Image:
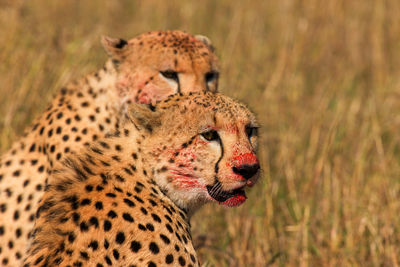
{"points": [[203, 148], [157, 64]]}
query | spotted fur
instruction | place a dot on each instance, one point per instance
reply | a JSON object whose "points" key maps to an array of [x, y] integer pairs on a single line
{"points": [[144, 69], [127, 199]]}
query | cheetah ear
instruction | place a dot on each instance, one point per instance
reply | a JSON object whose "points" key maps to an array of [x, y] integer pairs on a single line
{"points": [[144, 116], [114, 47], [205, 40]]}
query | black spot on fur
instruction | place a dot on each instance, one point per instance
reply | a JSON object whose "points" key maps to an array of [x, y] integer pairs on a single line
{"points": [[154, 248], [84, 227], [156, 217], [129, 202], [127, 217], [107, 225], [93, 245], [135, 246], [182, 261], [165, 239], [169, 259], [121, 44], [94, 221], [150, 227], [120, 238], [112, 214], [99, 205], [116, 254]]}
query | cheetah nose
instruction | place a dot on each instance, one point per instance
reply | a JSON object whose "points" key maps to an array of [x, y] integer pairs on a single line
{"points": [[246, 170]]}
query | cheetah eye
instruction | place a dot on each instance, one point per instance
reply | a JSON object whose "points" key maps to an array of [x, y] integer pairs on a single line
{"points": [[251, 131], [170, 74], [210, 135], [211, 76]]}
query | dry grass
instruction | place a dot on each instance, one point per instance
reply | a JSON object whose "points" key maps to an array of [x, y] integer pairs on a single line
{"points": [[324, 77]]}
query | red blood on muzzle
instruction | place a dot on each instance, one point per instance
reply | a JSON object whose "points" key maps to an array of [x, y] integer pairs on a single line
{"points": [[245, 159]]}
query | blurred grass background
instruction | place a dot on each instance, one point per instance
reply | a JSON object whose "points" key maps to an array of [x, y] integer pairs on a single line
{"points": [[324, 78]]}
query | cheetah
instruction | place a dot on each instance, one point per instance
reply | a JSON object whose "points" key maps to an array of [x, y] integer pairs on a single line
{"points": [[144, 69], [126, 199]]}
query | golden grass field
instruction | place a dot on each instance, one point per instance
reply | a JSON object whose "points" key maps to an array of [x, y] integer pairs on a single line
{"points": [[324, 78]]}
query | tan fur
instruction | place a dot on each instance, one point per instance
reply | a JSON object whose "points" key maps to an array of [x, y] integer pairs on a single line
{"points": [[127, 174], [86, 110]]}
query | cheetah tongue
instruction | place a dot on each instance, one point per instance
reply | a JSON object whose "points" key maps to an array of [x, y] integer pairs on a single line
{"points": [[238, 198]]}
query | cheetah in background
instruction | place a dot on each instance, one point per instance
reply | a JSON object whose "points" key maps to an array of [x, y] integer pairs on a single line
{"points": [[126, 200], [144, 69]]}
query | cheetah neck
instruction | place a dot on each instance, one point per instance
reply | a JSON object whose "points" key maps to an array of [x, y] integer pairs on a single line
{"points": [[154, 162], [99, 88], [103, 83], [90, 104]]}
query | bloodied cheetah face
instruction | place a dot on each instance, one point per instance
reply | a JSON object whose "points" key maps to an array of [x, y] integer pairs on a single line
{"points": [[157, 64], [126, 199], [204, 146]]}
